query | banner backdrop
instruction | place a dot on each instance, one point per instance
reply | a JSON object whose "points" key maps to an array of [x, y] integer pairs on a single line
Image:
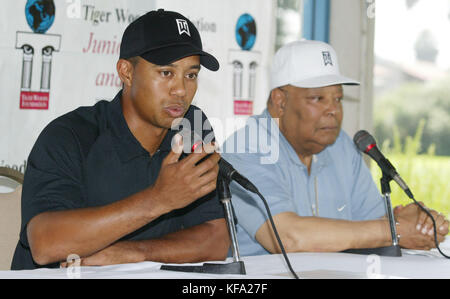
{"points": [[58, 55]]}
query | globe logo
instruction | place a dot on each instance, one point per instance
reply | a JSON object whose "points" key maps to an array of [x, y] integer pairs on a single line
{"points": [[246, 32], [40, 14]]}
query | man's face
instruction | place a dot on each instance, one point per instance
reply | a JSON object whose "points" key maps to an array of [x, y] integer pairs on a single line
{"points": [[161, 94], [312, 117]]}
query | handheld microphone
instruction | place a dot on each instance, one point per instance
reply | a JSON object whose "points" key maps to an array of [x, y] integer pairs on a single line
{"points": [[367, 144], [191, 141]]}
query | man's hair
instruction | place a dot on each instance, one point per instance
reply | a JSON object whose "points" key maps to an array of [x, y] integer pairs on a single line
{"points": [[269, 99], [133, 60]]}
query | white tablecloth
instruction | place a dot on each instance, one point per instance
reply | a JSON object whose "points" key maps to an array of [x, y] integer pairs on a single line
{"points": [[413, 264]]}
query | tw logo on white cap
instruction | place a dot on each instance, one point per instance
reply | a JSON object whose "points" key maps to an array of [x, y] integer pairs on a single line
{"points": [[327, 58], [307, 64], [183, 27]]}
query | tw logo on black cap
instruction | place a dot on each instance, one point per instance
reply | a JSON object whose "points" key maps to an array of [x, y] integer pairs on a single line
{"points": [[162, 37], [183, 27]]}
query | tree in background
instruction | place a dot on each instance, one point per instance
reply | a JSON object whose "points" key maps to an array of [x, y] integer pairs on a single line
{"points": [[426, 47], [403, 109], [410, 3]]}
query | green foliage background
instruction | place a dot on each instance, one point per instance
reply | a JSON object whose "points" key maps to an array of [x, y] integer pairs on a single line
{"points": [[401, 111], [426, 175], [412, 126]]}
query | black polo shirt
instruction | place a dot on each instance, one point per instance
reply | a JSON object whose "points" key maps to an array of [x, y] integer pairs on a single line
{"points": [[89, 158]]}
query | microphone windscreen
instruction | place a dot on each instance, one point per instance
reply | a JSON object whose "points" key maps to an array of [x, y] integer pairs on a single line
{"points": [[363, 139], [191, 140]]}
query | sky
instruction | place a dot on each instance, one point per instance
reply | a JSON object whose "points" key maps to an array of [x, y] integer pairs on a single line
{"points": [[397, 29]]}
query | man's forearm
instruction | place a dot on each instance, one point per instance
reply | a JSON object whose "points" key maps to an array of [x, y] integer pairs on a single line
{"points": [[312, 234], [55, 235], [207, 241]]}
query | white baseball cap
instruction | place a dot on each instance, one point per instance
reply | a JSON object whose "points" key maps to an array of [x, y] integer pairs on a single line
{"points": [[307, 64]]}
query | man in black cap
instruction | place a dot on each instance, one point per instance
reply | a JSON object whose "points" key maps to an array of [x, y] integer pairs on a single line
{"points": [[104, 183]]}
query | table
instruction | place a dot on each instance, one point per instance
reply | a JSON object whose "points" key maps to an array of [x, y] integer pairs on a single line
{"points": [[413, 264]]}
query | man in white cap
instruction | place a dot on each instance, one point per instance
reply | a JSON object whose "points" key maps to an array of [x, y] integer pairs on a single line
{"points": [[319, 190]]}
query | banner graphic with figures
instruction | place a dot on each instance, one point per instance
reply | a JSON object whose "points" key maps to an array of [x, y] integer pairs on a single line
{"points": [[58, 55]]}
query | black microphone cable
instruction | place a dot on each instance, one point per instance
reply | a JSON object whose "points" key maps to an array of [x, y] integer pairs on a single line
{"points": [[228, 172], [283, 251], [432, 220]]}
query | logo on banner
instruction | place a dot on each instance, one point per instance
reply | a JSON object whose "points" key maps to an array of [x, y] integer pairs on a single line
{"points": [[246, 32], [244, 63], [327, 58], [37, 48], [183, 27]]}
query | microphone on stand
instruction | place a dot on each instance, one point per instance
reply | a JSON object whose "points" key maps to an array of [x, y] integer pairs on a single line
{"points": [[190, 143], [367, 144], [227, 173]]}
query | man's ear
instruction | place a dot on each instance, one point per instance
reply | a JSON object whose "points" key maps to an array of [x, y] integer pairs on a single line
{"points": [[278, 99], [125, 71]]}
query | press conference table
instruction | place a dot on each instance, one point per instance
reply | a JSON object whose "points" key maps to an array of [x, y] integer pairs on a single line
{"points": [[412, 264]]}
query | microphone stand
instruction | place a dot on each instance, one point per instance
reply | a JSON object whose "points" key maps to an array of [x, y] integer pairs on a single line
{"points": [[386, 190], [394, 250], [237, 266]]}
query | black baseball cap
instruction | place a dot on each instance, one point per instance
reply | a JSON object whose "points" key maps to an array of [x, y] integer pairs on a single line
{"points": [[162, 37]]}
